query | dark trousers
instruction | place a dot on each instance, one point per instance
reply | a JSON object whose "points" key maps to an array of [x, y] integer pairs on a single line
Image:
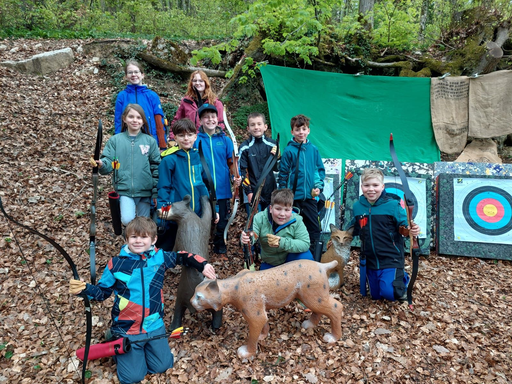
{"points": [[309, 212], [223, 207], [166, 240]]}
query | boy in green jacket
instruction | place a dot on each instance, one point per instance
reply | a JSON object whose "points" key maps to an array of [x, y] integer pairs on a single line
{"points": [[281, 231]]}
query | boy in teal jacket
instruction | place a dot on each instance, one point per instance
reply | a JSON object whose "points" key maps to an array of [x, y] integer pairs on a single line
{"points": [[302, 170], [282, 234]]}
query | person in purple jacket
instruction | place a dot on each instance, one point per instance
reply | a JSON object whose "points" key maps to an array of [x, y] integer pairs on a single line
{"points": [[136, 93], [199, 92]]}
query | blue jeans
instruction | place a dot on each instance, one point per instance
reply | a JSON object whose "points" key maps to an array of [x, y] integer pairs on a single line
{"points": [[154, 356], [291, 257], [389, 283], [134, 206]]}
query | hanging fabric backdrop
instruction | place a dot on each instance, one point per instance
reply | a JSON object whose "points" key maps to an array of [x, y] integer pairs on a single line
{"points": [[352, 116]]}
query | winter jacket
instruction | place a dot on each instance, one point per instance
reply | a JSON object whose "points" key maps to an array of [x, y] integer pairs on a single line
{"points": [[294, 237], [180, 174], [150, 103], [254, 153], [311, 169], [218, 160], [137, 283], [188, 109], [138, 159], [377, 226]]}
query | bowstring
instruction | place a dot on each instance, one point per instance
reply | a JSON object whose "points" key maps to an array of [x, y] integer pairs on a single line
{"points": [[43, 297]]}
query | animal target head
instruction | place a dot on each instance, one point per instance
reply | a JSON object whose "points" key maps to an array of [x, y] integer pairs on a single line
{"points": [[341, 237], [207, 296], [180, 209]]}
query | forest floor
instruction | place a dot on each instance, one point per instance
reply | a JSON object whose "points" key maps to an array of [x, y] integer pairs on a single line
{"points": [[459, 331]]}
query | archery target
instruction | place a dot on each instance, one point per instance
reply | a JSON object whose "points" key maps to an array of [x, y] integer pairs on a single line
{"points": [[483, 210], [419, 195]]}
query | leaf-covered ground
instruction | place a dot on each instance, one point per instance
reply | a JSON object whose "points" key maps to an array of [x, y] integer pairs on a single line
{"points": [[459, 330]]}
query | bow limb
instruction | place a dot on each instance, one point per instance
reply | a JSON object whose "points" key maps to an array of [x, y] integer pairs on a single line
{"points": [[414, 250], [87, 304], [92, 228], [236, 193]]}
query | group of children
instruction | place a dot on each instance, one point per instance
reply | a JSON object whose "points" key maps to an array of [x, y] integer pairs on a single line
{"points": [[287, 226]]}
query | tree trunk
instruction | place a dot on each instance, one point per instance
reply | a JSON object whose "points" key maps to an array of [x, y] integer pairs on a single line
{"points": [[494, 53], [183, 71], [425, 5], [366, 13]]}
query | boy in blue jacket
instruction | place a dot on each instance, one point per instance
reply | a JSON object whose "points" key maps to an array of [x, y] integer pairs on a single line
{"points": [[136, 278], [381, 222], [180, 173], [302, 170], [218, 152]]}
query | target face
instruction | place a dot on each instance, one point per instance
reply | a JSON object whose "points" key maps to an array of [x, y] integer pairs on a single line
{"points": [[483, 212], [397, 189]]}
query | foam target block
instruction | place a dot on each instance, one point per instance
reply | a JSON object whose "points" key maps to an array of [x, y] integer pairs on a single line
{"points": [[475, 216]]}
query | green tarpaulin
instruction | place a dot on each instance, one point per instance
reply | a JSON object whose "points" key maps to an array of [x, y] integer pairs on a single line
{"points": [[352, 116]]}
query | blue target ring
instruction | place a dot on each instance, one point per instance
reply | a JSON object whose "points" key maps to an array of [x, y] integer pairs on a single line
{"points": [[397, 189], [500, 203]]}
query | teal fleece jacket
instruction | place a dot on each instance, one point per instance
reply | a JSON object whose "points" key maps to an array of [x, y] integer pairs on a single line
{"points": [[138, 158], [294, 237]]}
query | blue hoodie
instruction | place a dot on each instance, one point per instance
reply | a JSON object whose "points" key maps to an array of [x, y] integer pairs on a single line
{"points": [[218, 160], [311, 169], [147, 99], [180, 174]]}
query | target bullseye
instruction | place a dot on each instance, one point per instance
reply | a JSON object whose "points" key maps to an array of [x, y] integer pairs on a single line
{"points": [[488, 210]]}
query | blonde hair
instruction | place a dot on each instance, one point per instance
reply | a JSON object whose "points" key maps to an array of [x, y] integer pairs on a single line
{"points": [[134, 63], [208, 92], [372, 173]]}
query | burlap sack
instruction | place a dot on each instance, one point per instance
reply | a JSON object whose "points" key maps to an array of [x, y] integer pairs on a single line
{"points": [[490, 105], [480, 151], [449, 100]]}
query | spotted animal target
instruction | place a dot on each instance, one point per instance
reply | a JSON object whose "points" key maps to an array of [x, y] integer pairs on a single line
{"points": [[483, 210]]}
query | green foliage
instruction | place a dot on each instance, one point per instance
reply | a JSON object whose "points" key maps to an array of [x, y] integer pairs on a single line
{"points": [[396, 23], [239, 118], [169, 110]]}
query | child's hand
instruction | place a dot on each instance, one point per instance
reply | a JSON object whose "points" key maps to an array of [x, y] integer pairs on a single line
{"points": [[249, 198], [273, 150], [171, 143], [217, 218], [96, 163], [246, 238], [315, 192], [76, 286], [414, 229], [209, 271], [273, 240], [237, 181]]}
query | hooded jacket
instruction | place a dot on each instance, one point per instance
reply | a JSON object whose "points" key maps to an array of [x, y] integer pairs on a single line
{"points": [[311, 169], [138, 159], [294, 237], [217, 159], [188, 109], [377, 226], [254, 153], [137, 283], [148, 100], [180, 174]]}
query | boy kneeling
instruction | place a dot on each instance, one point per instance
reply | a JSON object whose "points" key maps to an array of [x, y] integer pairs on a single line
{"points": [[282, 234], [136, 278]]}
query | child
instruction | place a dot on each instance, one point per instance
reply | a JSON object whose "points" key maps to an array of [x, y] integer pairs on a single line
{"points": [[254, 153], [303, 171], [218, 152], [180, 174], [282, 234], [199, 91], [135, 156], [136, 278], [378, 218], [140, 94]]}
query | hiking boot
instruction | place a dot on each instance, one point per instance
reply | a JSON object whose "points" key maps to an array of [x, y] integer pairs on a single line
{"points": [[220, 249]]}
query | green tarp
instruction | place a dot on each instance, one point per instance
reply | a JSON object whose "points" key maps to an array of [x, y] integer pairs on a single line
{"points": [[352, 116]]}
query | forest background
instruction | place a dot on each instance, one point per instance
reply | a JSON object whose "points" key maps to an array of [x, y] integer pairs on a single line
{"points": [[459, 331]]}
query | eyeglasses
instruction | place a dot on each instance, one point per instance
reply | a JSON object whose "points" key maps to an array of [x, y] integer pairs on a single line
{"points": [[133, 73]]}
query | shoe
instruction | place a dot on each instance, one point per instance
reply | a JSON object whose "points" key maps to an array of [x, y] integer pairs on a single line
{"points": [[220, 250]]}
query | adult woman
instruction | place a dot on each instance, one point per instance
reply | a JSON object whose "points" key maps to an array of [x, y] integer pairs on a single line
{"points": [[199, 91]]}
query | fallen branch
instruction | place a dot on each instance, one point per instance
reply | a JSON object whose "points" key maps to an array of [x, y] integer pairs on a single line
{"points": [[183, 71]]}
